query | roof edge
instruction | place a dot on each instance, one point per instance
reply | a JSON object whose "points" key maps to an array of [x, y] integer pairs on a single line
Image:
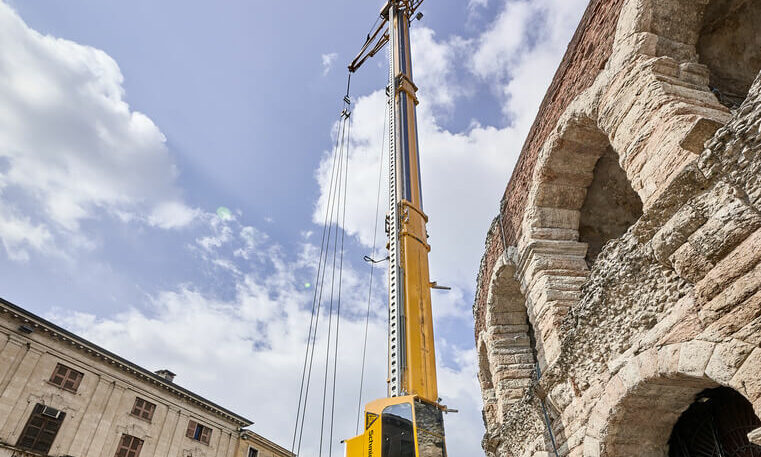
{"points": [[90, 348]]}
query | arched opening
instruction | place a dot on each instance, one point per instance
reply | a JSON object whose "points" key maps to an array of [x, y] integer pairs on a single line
{"points": [[611, 205], [716, 424], [510, 358], [730, 46], [487, 386]]}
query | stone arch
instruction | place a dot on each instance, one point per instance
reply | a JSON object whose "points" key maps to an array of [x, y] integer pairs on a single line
{"points": [[582, 173], [641, 403], [581, 199], [719, 36], [486, 381], [506, 345], [676, 67]]}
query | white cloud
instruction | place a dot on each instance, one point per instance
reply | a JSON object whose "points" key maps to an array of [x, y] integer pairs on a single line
{"points": [[18, 234], [327, 62], [519, 53], [173, 214], [71, 146], [473, 4]]}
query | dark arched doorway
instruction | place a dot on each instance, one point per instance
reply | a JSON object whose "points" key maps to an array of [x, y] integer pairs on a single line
{"points": [[716, 425]]}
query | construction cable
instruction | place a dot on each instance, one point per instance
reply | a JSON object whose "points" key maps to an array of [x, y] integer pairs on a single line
{"points": [[372, 268], [339, 188], [340, 279], [316, 300], [314, 304], [331, 207]]}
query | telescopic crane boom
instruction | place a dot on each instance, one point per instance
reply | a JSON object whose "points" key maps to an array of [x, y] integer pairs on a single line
{"points": [[409, 422]]}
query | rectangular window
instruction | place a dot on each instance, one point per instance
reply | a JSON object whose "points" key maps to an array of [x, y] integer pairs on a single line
{"points": [[143, 409], [198, 432], [129, 446], [41, 429], [253, 452], [66, 378]]}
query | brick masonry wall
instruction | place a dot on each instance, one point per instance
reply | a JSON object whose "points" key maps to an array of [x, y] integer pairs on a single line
{"points": [[588, 52]]}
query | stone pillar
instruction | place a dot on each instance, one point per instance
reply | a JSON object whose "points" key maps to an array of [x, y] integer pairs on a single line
{"points": [[91, 416], [18, 380], [179, 433], [164, 439], [104, 427]]}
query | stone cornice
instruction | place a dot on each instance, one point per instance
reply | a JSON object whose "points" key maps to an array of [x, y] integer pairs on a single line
{"points": [[86, 347]]}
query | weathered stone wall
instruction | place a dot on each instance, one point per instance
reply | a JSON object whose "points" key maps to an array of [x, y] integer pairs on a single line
{"points": [[633, 279]]}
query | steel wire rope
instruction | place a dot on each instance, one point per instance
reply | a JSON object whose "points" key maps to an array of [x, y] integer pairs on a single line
{"points": [[339, 186], [314, 302], [372, 267], [331, 206], [340, 279], [314, 318]]}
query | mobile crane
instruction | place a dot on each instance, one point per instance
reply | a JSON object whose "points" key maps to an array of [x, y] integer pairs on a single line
{"points": [[409, 422]]}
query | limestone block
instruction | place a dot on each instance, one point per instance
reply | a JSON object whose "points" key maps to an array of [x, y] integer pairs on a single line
{"points": [[676, 231], [694, 357], [668, 360], [696, 74], [732, 295], [737, 263], [747, 380], [514, 318], [725, 229], [553, 217], [542, 233], [726, 359], [732, 321], [750, 333], [702, 130], [689, 263]]}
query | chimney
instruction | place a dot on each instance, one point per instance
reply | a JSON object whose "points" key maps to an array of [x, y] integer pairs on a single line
{"points": [[166, 374]]}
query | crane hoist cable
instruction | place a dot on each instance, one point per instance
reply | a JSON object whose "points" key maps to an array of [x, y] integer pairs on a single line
{"points": [[340, 277], [340, 188], [335, 208]]}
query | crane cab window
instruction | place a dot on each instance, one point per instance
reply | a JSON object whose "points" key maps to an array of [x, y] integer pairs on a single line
{"points": [[398, 438], [430, 430]]}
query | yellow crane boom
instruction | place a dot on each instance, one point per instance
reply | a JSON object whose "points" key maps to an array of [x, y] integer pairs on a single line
{"points": [[409, 422]]}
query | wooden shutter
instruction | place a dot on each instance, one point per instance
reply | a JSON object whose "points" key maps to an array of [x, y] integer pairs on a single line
{"points": [[191, 431], [205, 435], [66, 378], [143, 409], [40, 431], [129, 446]]}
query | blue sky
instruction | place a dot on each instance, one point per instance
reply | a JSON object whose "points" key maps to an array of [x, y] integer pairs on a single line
{"points": [[124, 126]]}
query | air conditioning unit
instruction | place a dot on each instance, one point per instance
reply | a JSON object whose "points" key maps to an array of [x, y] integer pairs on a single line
{"points": [[51, 412]]}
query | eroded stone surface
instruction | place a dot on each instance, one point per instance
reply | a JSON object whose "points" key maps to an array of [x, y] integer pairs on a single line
{"points": [[628, 320]]}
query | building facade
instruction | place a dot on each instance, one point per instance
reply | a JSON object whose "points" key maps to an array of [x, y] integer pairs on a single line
{"points": [[61, 395], [618, 308]]}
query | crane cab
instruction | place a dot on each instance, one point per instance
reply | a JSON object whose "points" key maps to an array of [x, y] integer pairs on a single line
{"points": [[400, 427]]}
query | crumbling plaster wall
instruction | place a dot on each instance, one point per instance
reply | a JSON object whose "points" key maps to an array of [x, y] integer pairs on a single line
{"points": [[673, 306]]}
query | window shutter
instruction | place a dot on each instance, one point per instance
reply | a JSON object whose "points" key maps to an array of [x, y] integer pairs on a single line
{"points": [[206, 435], [190, 433]]}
